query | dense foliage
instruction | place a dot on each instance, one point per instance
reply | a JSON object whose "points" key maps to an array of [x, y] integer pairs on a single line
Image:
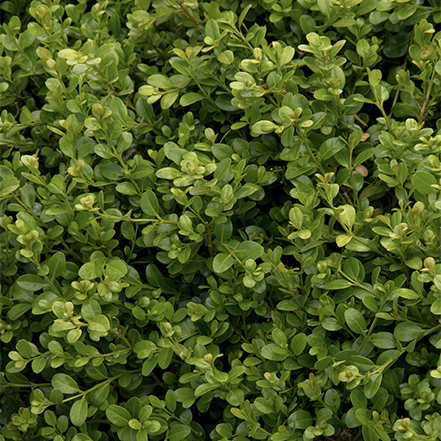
{"points": [[220, 221]]}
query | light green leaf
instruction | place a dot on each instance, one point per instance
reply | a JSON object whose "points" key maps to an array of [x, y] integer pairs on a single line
{"points": [[355, 321], [65, 384], [118, 415], [126, 188], [347, 216], [78, 412], [222, 262], [150, 204], [168, 99], [338, 284], [263, 127], [423, 181], [190, 98], [226, 57]]}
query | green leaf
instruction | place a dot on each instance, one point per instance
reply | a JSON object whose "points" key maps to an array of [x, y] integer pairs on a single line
{"points": [[301, 419], [249, 250], [407, 331], [78, 412], [190, 98], [287, 55], [347, 216], [263, 127], [422, 181], [331, 324], [126, 188], [330, 147], [372, 386], [65, 384], [150, 204], [154, 276], [332, 399], [396, 45], [204, 388], [338, 284], [68, 54], [407, 294], [118, 415], [116, 268], [288, 305], [18, 310], [355, 321], [27, 349], [29, 282], [263, 406], [279, 337], [57, 264], [235, 397], [222, 262], [363, 157], [38, 364], [168, 99], [436, 307], [160, 81], [342, 239], [274, 353], [246, 190], [298, 344], [168, 173], [88, 271], [100, 323], [375, 77], [178, 432], [212, 29], [226, 57], [383, 340]]}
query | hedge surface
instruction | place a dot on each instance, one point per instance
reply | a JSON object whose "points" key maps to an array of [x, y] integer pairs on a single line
{"points": [[220, 221]]}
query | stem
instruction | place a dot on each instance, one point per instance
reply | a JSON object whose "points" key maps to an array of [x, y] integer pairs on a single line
{"points": [[423, 108], [305, 141], [188, 14]]}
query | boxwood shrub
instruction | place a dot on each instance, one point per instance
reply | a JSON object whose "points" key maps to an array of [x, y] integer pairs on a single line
{"points": [[220, 220]]}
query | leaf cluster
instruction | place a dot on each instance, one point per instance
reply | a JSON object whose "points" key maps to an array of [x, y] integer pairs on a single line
{"points": [[220, 220]]}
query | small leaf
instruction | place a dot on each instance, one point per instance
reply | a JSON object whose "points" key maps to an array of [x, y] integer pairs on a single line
{"points": [[168, 99], [372, 386], [355, 321], [126, 188], [118, 415], [269, 352], [338, 284], [347, 216], [150, 204], [436, 307], [226, 57], [78, 412], [330, 147], [407, 331], [178, 432], [422, 181], [65, 384], [342, 239], [190, 98], [298, 344], [29, 282], [407, 294], [375, 77], [263, 127], [383, 340], [222, 262]]}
